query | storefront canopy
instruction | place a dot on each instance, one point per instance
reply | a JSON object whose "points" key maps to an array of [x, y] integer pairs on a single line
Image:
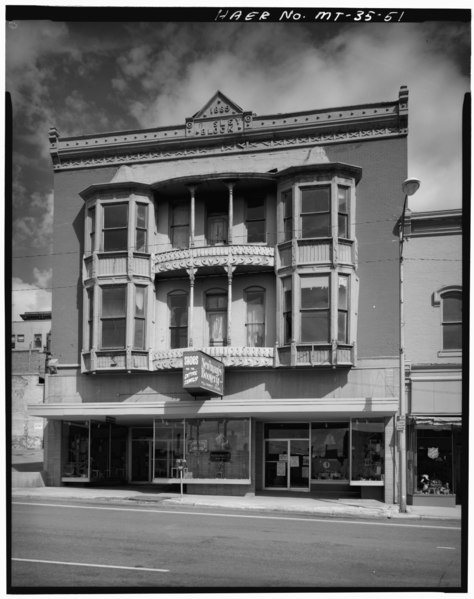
{"points": [[436, 421]]}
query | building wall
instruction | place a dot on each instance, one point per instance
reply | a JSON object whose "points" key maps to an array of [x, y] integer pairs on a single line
{"points": [[30, 328], [431, 263]]}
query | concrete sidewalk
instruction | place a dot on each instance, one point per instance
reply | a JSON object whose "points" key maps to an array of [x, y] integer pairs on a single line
{"points": [[354, 508]]}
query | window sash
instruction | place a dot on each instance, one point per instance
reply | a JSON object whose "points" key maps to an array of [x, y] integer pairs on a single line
{"points": [[255, 318], [287, 199], [115, 229], [178, 306], [113, 317], [255, 220], [315, 212]]}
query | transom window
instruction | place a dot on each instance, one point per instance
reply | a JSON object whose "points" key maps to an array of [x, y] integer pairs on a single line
{"points": [[452, 320]]}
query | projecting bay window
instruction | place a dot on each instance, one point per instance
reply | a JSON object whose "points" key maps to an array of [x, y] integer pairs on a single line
{"points": [[314, 309], [343, 203], [255, 325], [113, 317], [115, 227]]}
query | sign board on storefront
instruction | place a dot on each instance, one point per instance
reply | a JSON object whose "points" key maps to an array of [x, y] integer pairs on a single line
{"points": [[400, 423], [202, 374]]}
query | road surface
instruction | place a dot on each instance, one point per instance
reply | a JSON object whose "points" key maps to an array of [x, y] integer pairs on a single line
{"points": [[89, 545]]}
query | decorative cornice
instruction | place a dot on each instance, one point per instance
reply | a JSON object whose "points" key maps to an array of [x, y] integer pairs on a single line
{"points": [[230, 356], [224, 255]]}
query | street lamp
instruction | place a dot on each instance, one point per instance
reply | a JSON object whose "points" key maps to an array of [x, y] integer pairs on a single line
{"points": [[409, 187]]}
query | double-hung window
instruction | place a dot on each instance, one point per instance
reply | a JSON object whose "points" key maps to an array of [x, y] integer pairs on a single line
{"points": [[216, 312], [452, 320], [255, 300], [343, 309], [115, 227], [343, 202], [141, 228], [178, 307], [315, 308], [90, 317], [287, 310], [255, 220], [180, 225], [315, 214], [113, 316], [139, 317], [287, 207]]}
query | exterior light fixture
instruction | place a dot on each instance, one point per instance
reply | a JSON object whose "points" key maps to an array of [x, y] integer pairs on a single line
{"points": [[409, 187]]}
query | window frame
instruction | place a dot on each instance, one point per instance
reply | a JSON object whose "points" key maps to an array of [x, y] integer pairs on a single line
{"points": [[174, 227], [346, 214], [315, 213], [287, 219], [105, 229], [171, 327], [143, 228], [343, 310], [113, 318], [249, 290], [316, 310], [438, 302], [139, 317], [261, 219], [216, 292]]}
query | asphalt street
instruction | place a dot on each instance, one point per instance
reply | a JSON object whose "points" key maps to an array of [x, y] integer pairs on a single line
{"points": [[67, 544]]}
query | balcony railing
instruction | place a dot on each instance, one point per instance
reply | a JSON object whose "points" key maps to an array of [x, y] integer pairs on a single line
{"points": [[230, 356], [315, 355], [316, 251], [215, 255]]}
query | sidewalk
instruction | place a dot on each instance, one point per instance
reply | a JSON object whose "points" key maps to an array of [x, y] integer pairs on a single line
{"points": [[354, 508]]}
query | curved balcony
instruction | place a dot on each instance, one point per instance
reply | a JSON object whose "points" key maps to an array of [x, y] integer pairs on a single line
{"points": [[251, 256], [231, 356]]}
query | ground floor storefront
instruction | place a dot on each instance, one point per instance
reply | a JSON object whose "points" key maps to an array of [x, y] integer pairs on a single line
{"points": [[345, 456]]}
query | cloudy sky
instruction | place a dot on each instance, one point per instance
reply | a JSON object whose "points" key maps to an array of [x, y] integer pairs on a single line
{"points": [[89, 77]]}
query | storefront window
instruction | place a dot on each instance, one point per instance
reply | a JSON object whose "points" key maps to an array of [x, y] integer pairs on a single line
{"points": [[75, 440], [169, 447], [217, 448], [329, 450], [367, 450], [434, 461]]}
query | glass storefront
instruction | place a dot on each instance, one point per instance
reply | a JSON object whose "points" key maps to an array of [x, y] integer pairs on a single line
{"points": [[296, 455]]}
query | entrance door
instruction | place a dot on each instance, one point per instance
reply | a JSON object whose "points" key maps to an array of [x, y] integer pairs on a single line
{"points": [[141, 460], [287, 464]]}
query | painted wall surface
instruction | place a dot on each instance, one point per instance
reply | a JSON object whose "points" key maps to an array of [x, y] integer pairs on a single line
{"points": [[373, 381], [26, 431], [431, 263], [68, 238], [379, 204]]}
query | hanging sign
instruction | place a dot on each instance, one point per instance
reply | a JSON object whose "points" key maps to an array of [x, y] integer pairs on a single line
{"points": [[202, 374]]}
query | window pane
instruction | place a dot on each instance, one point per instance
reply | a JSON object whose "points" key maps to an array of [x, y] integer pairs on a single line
{"points": [[343, 199], [113, 333], [140, 242], [180, 214], [140, 301], [343, 293], [452, 336], [315, 225], [255, 308], [315, 200], [180, 236], [113, 301], [179, 337], [452, 307], [287, 329], [216, 302], [178, 310], [343, 230], [115, 240], [255, 335], [115, 216], [255, 208], [139, 338], [217, 328], [255, 231], [287, 204], [342, 327], [315, 327], [314, 292], [141, 215]]}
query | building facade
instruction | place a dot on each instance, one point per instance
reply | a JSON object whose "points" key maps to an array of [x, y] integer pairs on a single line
{"points": [[266, 245], [28, 357], [433, 325]]}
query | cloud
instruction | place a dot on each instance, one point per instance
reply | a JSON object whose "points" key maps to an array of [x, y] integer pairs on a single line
{"points": [[35, 230], [31, 297]]}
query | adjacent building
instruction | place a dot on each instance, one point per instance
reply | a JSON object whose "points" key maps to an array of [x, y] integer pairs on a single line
{"points": [[225, 302], [433, 335], [29, 342]]}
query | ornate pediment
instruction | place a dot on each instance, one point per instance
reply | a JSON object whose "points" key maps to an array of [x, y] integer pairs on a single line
{"points": [[219, 116]]}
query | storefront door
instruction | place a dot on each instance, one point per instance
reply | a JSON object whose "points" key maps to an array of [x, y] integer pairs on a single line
{"points": [[287, 462], [141, 460]]}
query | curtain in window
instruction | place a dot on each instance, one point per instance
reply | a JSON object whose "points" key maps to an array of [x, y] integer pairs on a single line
{"points": [[255, 318]]}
